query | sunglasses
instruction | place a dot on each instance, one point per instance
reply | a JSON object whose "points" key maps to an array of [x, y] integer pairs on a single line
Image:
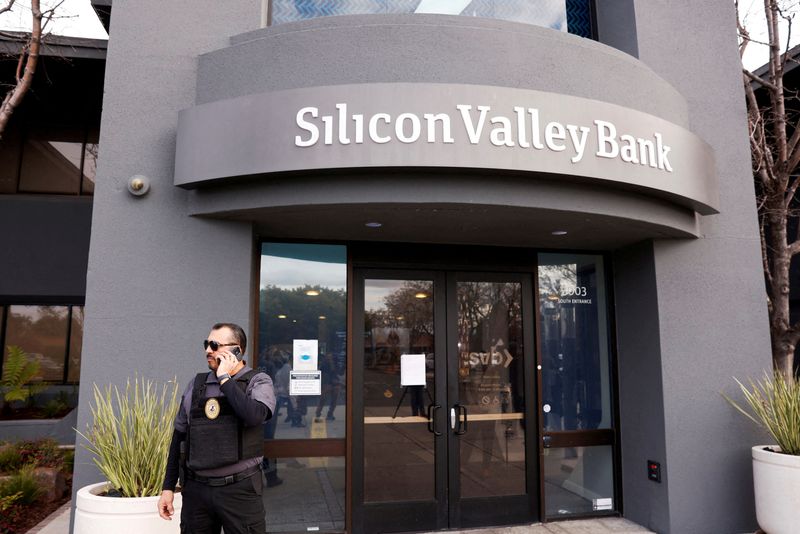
{"points": [[215, 345]]}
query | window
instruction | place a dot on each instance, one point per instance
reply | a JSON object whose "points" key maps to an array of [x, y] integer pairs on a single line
{"points": [[302, 344], [577, 413], [50, 335], [48, 161], [573, 16]]}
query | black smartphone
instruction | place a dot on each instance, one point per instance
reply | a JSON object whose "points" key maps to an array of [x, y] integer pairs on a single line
{"points": [[236, 352]]}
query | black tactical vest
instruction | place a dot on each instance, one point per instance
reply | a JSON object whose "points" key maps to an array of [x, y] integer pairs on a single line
{"points": [[224, 440]]}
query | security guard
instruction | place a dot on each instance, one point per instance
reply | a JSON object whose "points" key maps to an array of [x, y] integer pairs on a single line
{"points": [[218, 426]]}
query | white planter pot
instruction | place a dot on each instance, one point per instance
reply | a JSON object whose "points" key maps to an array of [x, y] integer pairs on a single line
{"points": [[776, 479], [121, 515]]}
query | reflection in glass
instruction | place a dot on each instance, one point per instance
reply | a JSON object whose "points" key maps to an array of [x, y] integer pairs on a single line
{"points": [[556, 14], [41, 331], [75, 345], [575, 358], [303, 295], [10, 152], [490, 378], [89, 167], [398, 448], [313, 500], [578, 480], [50, 166]]}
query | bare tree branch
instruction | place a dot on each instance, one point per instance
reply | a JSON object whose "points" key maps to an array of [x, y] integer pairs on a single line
{"points": [[26, 67]]}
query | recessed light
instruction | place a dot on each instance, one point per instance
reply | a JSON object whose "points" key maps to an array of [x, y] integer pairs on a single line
{"points": [[312, 292], [322, 317], [281, 316], [559, 232], [421, 295], [373, 224]]}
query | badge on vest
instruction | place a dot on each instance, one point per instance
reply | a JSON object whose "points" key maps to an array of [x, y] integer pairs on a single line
{"points": [[212, 408]]}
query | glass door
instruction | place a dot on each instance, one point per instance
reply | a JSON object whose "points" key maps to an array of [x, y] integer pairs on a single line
{"points": [[444, 379]]}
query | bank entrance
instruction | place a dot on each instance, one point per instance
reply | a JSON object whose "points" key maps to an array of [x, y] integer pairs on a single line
{"points": [[457, 386], [448, 427]]}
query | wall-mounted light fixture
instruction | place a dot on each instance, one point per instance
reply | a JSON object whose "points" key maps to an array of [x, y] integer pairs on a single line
{"points": [[138, 185]]}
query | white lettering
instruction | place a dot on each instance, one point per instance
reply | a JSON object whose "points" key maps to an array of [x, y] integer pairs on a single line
{"points": [[663, 153], [578, 141], [554, 131], [504, 129], [310, 127], [373, 128], [535, 141], [327, 121], [628, 150], [400, 131], [431, 121], [647, 154], [606, 137], [474, 132], [359, 120], [521, 137], [343, 124]]}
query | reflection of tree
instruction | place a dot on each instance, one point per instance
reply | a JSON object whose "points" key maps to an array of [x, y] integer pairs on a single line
{"points": [[306, 317], [42, 332], [479, 301], [554, 279]]}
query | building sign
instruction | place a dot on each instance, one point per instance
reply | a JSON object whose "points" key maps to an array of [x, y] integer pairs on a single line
{"points": [[522, 130], [445, 126]]}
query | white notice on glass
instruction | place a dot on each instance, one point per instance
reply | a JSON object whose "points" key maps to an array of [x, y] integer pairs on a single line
{"points": [[412, 370], [304, 352], [305, 382]]}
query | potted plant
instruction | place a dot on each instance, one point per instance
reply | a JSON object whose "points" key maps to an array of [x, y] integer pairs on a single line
{"points": [[129, 439], [774, 404]]}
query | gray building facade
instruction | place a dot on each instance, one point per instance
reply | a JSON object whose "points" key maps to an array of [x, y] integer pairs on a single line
{"points": [[570, 220]]}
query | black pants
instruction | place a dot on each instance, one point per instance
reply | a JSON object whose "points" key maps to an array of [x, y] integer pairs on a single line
{"points": [[237, 507]]}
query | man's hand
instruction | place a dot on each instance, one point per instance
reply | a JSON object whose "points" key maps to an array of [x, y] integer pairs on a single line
{"points": [[165, 509], [227, 362]]}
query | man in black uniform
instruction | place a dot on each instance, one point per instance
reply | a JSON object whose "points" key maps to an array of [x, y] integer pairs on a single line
{"points": [[219, 423]]}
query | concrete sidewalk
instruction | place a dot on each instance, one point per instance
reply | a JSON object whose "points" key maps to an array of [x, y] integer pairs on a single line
{"points": [[55, 523], [58, 523]]}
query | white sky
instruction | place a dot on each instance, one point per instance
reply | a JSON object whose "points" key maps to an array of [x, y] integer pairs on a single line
{"points": [[751, 13], [74, 18]]}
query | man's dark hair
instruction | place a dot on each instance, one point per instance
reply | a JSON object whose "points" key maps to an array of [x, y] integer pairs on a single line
{"points": [[238, 333]]}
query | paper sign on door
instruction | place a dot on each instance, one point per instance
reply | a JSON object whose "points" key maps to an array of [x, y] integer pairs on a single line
{"points": [[412, 370], [304, 354]]}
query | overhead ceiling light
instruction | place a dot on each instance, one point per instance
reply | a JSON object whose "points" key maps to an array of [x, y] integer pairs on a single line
{"points": [[552, 296], [421, 295], [281, 316], [373, 224], [559, 232], [322, 317], [312, 292], [400, 317]]}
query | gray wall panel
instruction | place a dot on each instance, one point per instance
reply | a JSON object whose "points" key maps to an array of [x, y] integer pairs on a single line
{"points": [[712, 307], [157, 278], [46, 245], [433, 49], [641, 401]]}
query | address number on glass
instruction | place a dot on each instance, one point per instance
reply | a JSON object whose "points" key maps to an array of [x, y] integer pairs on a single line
{"points": [[577, 291]]}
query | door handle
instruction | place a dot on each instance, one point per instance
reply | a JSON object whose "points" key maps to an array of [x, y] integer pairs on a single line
{"points": [[453, 417], [432, 419], [462, 422]]}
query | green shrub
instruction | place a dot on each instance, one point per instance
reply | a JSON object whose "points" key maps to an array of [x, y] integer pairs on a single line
{"points": [[774, 404], [69, 460], [24, 483], [10, 458], [41, 452], [19, 375], [8, 500], [131, 433]]}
